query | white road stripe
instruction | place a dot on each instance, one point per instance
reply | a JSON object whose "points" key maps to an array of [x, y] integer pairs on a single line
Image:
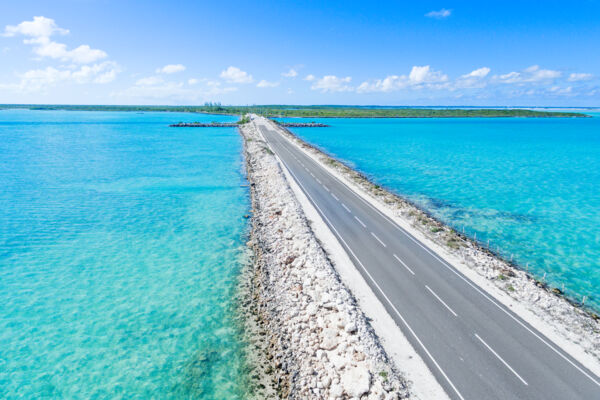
{"points": [[311, 174], [503, 362], [326, 188], [379, 240], [335, 197], [318, 181], [441, 301], [347, 209], [404, 264], [360, 222]]}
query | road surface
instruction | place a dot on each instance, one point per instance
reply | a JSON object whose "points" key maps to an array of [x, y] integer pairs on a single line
{"points": [[475, 347]]}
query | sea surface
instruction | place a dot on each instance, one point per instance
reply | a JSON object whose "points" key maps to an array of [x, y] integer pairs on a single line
{"points": [[120, 243], [531, 187]]}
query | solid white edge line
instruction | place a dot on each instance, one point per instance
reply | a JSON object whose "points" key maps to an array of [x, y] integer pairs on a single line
{"points": [[360, 222], [441, 301], [503, 362], [379, 240], [451, 268], [376, 285], [403, 264]]}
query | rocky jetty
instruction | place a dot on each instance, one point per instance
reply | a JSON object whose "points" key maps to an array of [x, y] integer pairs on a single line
{"points": [[312, 340], [302, 125], [204, 125]]}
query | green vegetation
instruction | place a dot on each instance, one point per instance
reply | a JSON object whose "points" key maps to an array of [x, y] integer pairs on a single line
{"points": [[384, 375], [274, 111], [243, 120]]}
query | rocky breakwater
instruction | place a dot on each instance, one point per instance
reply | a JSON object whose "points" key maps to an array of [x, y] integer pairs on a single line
{"points": [[204, 125], [312, 340]]}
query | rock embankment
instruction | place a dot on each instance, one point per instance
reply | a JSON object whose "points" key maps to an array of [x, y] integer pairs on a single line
{"points": [[204, 125], [314, 341], [302, 124]]}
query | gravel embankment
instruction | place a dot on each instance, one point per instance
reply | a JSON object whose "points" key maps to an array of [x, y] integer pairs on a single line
{"points": [[311, 339]]}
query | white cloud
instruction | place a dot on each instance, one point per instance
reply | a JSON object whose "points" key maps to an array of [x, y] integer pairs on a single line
{"points": [[193, 81], [236, 75], [40, 79], [149, 81], [98, 73], [441, 14], [528, 75], [175, 92], [574, 77], [266, 84], [39, 32], [388, 84], [309, 77], [474, 79], [331, 83], [171, 69], [419, 77], [560, 91], [83, 54], [511, 77], [292, 73], [38, 27], [478, 73], [538, 74]]}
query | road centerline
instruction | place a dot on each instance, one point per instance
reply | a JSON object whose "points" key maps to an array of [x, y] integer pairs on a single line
{"points": [[502, 360], [403, 264], [379, 240], [441, 301], [360, 222]]}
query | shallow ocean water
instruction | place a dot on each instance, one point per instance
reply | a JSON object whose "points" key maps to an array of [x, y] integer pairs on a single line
{"points": [[529, 186], [120, 243]]}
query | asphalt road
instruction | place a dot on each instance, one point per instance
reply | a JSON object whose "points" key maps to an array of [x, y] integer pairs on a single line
{"points": [[475, 347]]}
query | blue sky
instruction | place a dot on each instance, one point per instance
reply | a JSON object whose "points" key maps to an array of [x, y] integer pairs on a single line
{"points": [[304, 52]]}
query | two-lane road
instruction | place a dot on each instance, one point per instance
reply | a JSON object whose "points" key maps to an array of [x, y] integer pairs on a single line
{"points": [[475, 347]]}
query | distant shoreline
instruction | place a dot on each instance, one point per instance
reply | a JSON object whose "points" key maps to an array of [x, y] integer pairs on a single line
{"points": [[283, 111]]}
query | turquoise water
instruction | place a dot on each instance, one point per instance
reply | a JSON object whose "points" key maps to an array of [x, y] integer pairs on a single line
{"points": [[529, 186], [120, 241]]}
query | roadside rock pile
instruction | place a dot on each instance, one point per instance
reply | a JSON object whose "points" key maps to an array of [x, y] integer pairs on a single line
{"points": [[312, 335]]}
